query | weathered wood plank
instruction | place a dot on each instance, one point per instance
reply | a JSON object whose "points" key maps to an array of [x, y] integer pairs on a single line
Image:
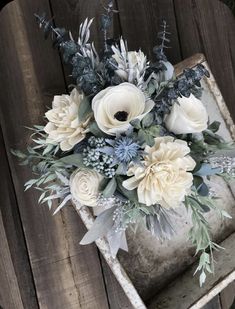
{"points": [[227, 296], [140, 22], [208, 26], [9, 293], [12, 293], [15, 240], [66, 275], [70, 14]]}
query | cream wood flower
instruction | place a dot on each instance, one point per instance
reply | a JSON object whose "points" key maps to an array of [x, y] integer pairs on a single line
{"points": [[163, 178], [64, 126], [114, 107], [84, 186], [189, 115]]}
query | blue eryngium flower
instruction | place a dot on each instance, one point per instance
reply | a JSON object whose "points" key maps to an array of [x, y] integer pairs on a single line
{"points": [[125, 149]]}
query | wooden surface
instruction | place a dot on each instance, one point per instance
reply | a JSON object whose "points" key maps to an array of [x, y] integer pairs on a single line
{"points": [[41, 262]]}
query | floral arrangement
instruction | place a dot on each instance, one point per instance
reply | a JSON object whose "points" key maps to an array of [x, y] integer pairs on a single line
{"points": [[131, 140]]}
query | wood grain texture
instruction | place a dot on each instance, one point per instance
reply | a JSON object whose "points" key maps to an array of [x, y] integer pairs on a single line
{"points": [[14, 238], [140, 22], [227, 296], [10, 292], [208, 26], [66, 275], [17, 289]]}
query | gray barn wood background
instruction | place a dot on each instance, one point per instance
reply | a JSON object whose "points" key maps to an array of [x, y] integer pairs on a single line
{"points": [[42, 264]]}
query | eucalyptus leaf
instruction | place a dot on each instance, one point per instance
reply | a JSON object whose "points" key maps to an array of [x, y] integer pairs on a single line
{"points": [[102, 224], [214, 126], [136, 123], [74, 159], [147, 120], [95, 130], [145, 137], [116, 240], [121, 170], [202, 278], [129, 194], [197, 181], [203, 190], [62, 204], [110, 188], [207, 170], [84, 109]]}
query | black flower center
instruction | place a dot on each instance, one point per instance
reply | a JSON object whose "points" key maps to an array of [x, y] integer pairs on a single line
{"points": [[121, 116]]}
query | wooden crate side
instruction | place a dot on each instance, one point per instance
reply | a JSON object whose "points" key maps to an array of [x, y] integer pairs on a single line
{"points": [[185, 293]]}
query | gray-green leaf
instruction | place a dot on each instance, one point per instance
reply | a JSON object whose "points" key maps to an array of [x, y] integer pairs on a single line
{"points": [[84, 109], [102, 224], [74, 159], [110, 188]]}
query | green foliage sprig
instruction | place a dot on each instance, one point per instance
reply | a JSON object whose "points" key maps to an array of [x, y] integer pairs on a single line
{"points": [[200, 235]]}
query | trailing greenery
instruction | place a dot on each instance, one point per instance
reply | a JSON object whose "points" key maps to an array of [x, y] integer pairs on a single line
{"points": [[200, 235]]}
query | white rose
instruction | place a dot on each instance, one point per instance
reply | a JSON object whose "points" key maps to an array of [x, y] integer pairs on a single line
{"points": [[114, 107], [189, 115], [163, 178], [64, 126], [84, 186]]}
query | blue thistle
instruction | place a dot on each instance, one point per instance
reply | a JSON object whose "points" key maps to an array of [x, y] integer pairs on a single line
{"points": [[125, 149]]}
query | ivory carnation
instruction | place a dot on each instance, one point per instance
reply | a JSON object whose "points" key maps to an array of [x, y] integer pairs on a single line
{"points": [[64, 126], [187, 116], [114, 107], [84, 186], [164, 177]]}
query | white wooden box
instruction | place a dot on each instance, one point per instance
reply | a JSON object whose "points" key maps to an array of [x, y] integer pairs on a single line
{"points": [[156, 274]]}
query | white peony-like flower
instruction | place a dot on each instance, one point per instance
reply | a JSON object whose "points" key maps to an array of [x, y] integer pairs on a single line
{"points": [[189, 115], [64, 126], [164, 177], [114, 107], [84, 186]]}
